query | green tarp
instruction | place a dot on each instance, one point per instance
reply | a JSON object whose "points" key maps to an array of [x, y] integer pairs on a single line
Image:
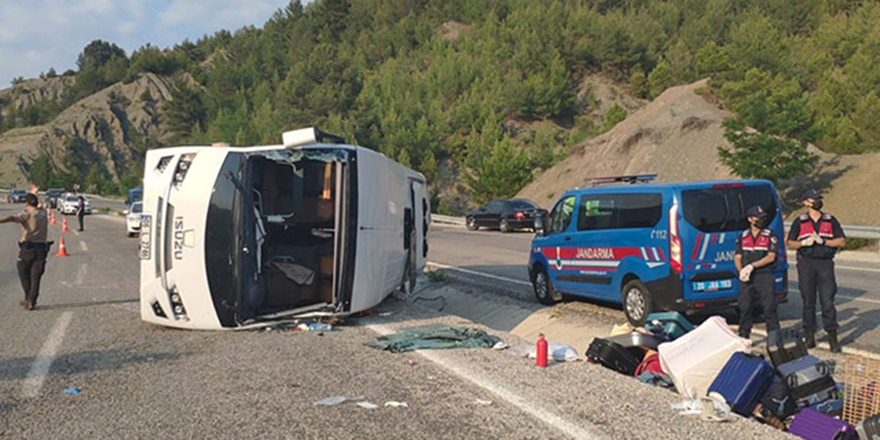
{"points": [[434, 337]]}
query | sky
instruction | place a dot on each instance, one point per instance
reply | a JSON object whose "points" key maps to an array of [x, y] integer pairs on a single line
{"points": [[38, 34]]}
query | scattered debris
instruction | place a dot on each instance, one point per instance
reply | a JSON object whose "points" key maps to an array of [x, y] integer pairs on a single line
{"points": [[394, 404], [410, 362], [384, 314], [367, 405], [72, 390], [320, 327], [336, 400], [434, 337], [558, 352], [483, 402], [500, 345]]}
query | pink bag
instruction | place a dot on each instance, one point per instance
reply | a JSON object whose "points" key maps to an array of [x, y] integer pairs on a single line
{"points": [[650, 363]]}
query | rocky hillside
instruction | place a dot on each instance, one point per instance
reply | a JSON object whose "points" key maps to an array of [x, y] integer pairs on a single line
{"points": [[112, 127], [676, 136]]}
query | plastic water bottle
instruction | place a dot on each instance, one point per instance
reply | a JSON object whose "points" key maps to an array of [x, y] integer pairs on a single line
{"points": [[320, 327]]}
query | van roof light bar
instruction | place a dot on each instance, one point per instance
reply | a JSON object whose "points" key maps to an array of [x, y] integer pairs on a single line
{"points": [[635, 178], [309, 136]]}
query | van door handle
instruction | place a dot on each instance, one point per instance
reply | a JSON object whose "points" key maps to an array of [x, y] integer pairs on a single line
{"points": [[568, 238]]}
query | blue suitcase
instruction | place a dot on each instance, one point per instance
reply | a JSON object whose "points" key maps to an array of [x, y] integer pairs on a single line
{"points": [[674, 324], [743, 382]]}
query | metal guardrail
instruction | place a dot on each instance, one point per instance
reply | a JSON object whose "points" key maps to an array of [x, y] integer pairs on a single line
{"points": [[852, 231]]}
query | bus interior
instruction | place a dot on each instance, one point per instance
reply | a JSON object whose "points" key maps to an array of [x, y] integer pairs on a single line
{"points": [[292, 223]]}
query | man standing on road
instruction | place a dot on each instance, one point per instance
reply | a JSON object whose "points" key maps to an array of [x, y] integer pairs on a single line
{"points": [[817, 236], [80, 211], [32, 247], [755, 260]]}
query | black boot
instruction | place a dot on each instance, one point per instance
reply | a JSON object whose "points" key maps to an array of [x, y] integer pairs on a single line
{"points": [[832, 341], [809, 339]]}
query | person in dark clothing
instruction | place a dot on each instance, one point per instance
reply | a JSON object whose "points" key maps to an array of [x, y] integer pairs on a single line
{"points": [[81, 211], [33, 248], [816, 236], [755, 260]]}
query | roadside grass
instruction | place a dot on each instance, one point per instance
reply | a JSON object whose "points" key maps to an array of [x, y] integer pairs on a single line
{"points": [[438, 276]]}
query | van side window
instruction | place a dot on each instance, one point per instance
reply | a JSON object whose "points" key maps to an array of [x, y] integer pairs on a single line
{"points": [[619, 211], [561, 215]]}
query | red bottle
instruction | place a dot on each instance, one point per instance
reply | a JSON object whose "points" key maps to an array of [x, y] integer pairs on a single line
{"points": [[542, 351]]}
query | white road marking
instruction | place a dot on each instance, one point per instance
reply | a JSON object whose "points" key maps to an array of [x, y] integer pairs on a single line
{"points": [[863, 269], [83, 246], [81, 274], [479, 274], [574, 429], [75, 232], [37, 375], [852, 298]]}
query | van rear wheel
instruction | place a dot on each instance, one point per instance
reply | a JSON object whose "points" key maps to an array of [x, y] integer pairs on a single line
{"points": [[636, 302], [504, 226], [543, 287]]}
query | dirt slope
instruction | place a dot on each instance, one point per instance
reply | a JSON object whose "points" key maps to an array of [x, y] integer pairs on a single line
{"points": [[116, 123], [676, 136]]}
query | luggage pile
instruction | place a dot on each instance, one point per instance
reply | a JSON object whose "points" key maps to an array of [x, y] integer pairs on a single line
{"points": [[795, 391]]}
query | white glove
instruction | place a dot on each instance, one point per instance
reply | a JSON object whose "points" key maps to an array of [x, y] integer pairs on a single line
{"points": [[817, 239], [807, 242], [746, 273]]}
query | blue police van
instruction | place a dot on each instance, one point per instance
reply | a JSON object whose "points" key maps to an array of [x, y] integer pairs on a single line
{"points": [[650, 246]]}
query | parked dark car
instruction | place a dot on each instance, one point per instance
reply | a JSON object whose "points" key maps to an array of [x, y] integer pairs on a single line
{"points": [[16, 196], [53, 195], [504, 214]]}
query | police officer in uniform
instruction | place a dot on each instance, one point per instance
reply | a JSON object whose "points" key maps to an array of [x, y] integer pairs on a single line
{"points": [[33, 247], [816, 236], [755, 260]]}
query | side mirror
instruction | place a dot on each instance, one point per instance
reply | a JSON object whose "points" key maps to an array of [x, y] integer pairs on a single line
{"points": [[540, 223]]}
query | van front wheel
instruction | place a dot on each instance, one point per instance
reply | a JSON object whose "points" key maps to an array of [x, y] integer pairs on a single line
{"points": [[636, 302]]}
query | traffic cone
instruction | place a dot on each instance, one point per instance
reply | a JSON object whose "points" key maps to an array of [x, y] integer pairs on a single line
{"points": [[64, 225], [62, 249], [52, 219]]}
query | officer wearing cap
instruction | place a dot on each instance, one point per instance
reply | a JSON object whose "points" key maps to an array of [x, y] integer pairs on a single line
{"points": [[33, 247], [755, 260], [817, 236]]}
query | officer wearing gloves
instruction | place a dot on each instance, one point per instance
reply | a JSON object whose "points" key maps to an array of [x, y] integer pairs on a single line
{"points": [[817, 236], [755, 260]]}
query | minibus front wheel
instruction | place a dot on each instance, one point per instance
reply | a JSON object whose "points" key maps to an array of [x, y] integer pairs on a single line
{"points": [[636, 302]]}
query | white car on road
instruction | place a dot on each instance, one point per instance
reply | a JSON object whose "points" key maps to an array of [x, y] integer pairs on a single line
{"points": [[133, 219], [71, 201]]}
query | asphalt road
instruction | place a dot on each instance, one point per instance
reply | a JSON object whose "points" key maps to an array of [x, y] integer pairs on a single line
{"points": [[142, 381], [504, 258]]}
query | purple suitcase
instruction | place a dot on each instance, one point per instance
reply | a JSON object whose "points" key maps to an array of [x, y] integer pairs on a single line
{"points": [[813, 425]]}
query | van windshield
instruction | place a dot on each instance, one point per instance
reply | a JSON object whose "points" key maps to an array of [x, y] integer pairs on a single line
{"points": [[723, 209]]}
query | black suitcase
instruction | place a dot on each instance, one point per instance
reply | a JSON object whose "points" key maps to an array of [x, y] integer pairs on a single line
{"points": [[778, 399], [613, 356], [793, 346]]}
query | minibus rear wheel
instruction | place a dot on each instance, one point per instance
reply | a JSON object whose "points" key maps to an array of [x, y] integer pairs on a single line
{"points": [[543, 286], [636, 302]]}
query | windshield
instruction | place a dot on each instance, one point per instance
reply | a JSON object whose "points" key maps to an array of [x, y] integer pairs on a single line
{"points": [[72, 199], [18, 191], [137, 208], [723, 209]]}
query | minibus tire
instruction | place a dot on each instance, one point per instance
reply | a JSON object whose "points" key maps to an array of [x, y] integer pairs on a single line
{"points": [[640, 299], [471, 224], [504, 225], [541, 282]]}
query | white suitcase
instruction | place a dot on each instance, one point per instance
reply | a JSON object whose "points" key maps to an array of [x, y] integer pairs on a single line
{"points": [[693, 360]]}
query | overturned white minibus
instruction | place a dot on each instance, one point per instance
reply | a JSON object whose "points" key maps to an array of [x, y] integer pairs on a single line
{"points": [[237, 237]]}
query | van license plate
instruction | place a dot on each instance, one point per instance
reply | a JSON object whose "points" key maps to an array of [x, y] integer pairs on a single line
{"points": [[144, 248], [711, 286]]}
